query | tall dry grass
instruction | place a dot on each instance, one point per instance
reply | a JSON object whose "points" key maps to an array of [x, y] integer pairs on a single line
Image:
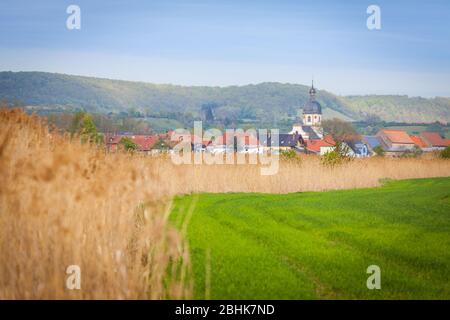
{"points": [[293, 176], [64, 203]]}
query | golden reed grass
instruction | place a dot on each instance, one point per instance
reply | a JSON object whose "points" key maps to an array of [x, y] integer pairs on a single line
{"points": [[64, 203]]}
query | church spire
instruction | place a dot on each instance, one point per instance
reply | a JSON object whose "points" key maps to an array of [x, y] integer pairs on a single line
{"points": [[312, 91]]}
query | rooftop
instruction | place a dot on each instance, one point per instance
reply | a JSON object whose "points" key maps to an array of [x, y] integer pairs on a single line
{"points": [[418, 141], [372, 141], [315, 145], [397, 136], [312, 107], [434, 139]]}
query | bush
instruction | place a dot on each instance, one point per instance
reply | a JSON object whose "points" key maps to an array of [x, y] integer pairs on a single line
{"points": [[445, 154], [289, 154], [379, 151], [338, 156], [412, 153], [128, 144], [83, 126], [331, 159]]}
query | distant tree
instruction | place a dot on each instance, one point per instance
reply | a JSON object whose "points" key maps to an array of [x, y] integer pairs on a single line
{"points": [[339, 129], [133, 112], [161, 145], [436, 127], [414, 153], [379, 151], [227, 121], [133, 125], [339, 155], [208, 111], [372, 119], [62, 120], [84, 126], [445, 154], [128, 144], [246, 113]]}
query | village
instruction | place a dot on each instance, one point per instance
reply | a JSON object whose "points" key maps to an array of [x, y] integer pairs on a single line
{"points": [[240, 158], [306, 137]]}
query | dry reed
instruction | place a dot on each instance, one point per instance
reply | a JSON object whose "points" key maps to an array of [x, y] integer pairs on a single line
{"points": [[63, 203]]}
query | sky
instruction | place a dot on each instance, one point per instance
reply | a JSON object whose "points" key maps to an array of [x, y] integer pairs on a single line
{"points": [[221, 43]]}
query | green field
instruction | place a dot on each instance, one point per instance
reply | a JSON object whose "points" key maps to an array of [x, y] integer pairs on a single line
{"points": [[318, 245]]}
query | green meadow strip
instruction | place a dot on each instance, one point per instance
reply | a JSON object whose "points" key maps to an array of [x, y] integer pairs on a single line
{"points": [[318, 245]]}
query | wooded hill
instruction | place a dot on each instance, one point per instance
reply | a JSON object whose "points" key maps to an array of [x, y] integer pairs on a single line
{"points": [[266, 102]]}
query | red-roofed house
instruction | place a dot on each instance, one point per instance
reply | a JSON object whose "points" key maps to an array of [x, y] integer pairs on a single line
{"points": [[421, 143], [395, 142], [329, 139], [144, 142], [434, 140], [112, 142], [320, 146]]}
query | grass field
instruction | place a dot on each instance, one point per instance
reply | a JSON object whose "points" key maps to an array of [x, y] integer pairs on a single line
{"points": [[318, 245]]}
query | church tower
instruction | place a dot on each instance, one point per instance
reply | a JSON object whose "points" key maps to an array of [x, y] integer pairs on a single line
{"points": [[311, 121], [312, 111]]}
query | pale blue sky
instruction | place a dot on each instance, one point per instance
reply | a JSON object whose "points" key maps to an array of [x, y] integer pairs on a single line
{"points": [[195, 42]]}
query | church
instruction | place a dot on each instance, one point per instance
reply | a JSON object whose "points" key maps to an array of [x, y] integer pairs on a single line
{"points": [[309, 127]]}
